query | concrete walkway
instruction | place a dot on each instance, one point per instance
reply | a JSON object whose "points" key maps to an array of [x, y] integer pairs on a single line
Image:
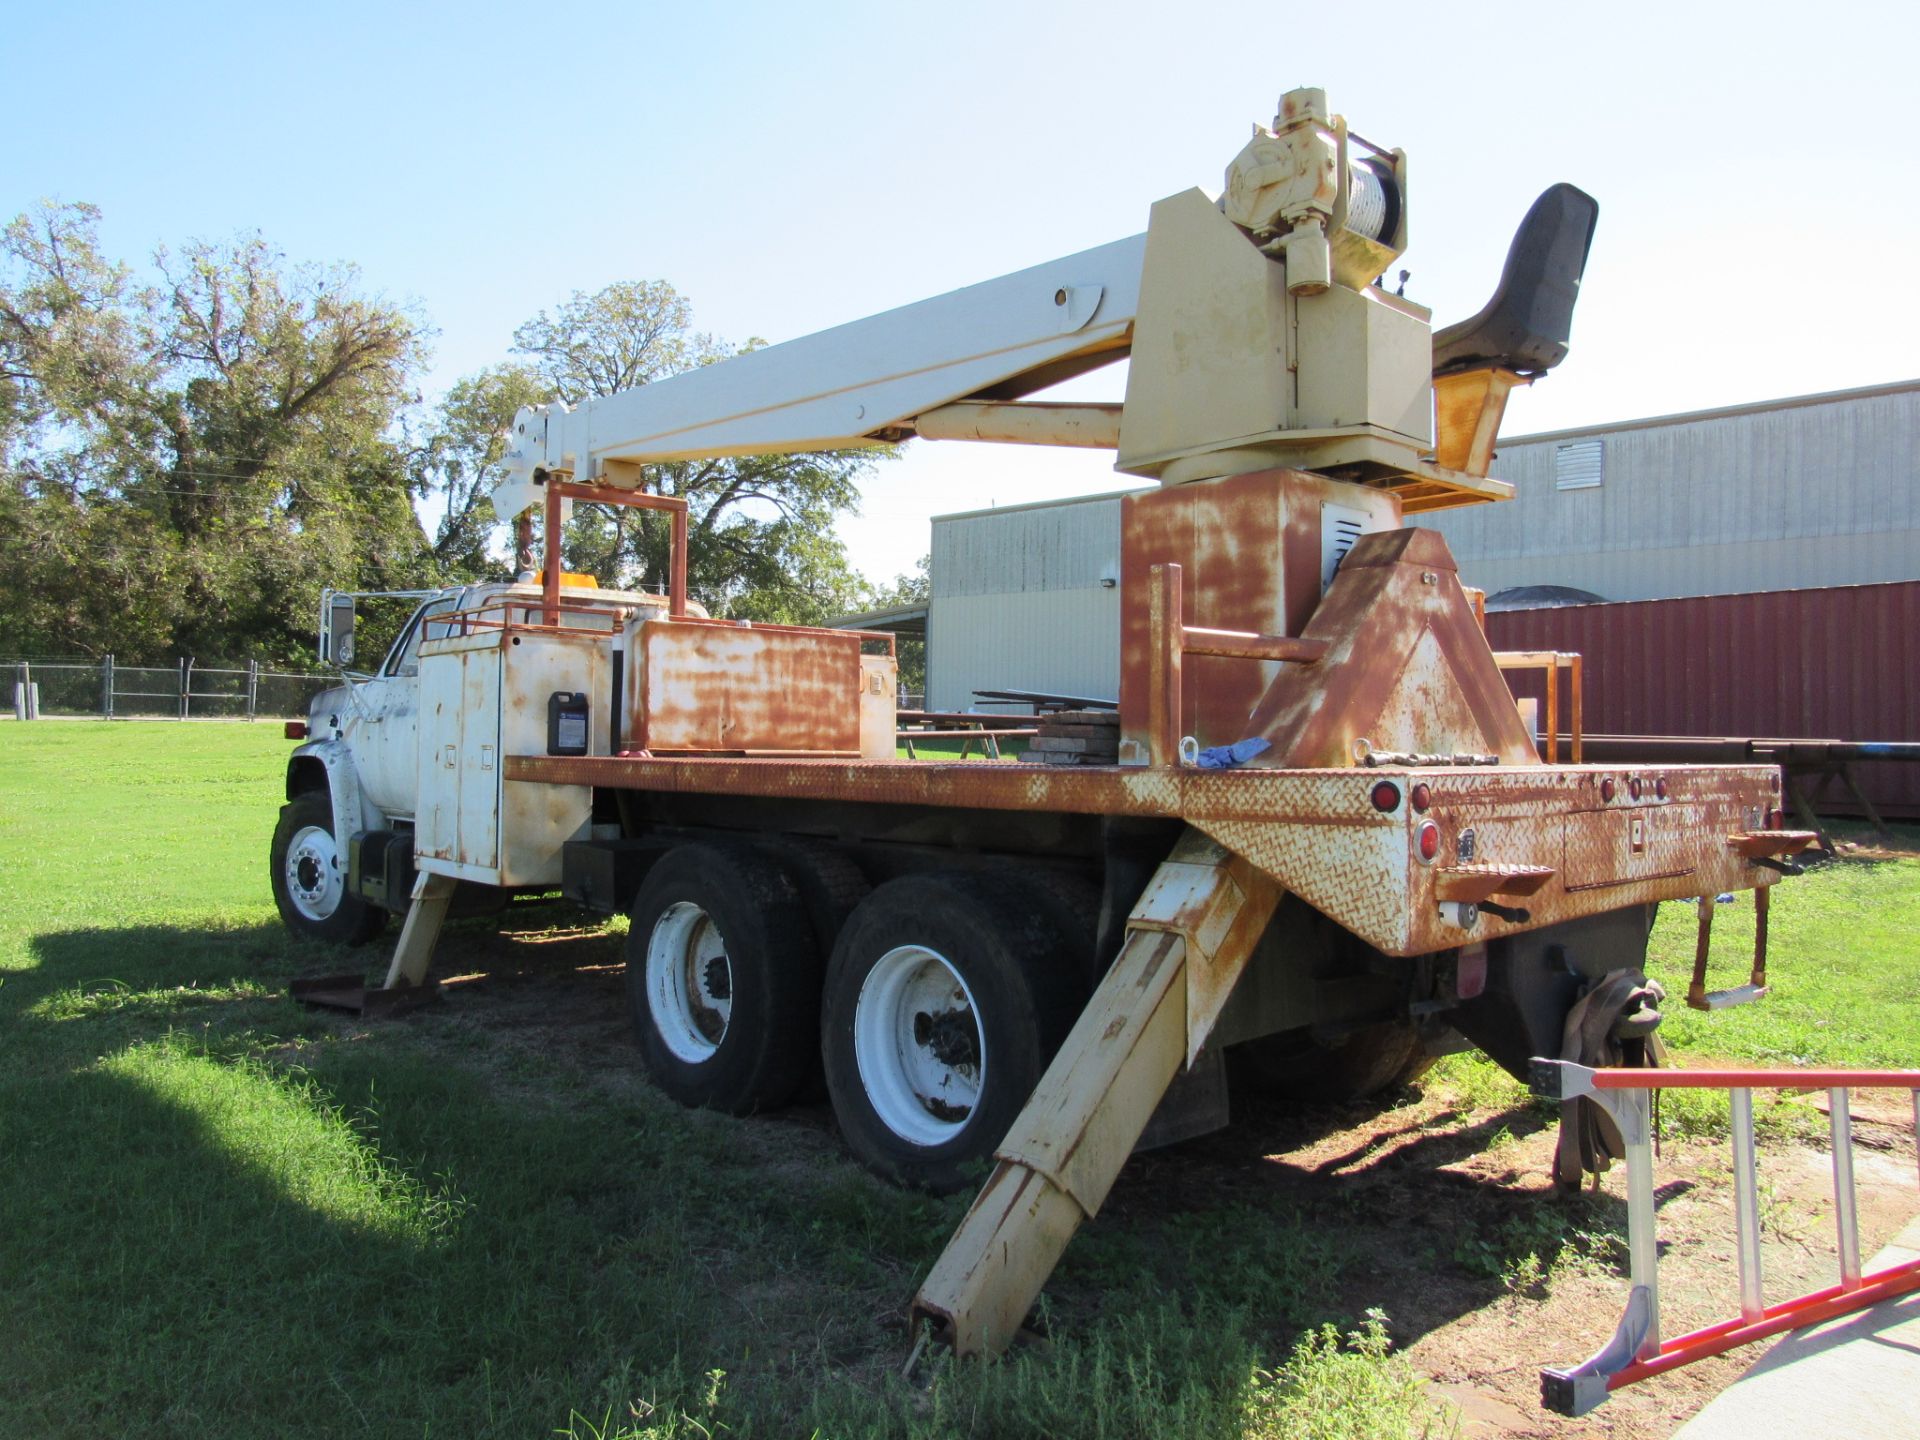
{"points": [[1855, 1377]]}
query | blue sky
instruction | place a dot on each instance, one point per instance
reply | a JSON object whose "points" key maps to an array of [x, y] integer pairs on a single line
{"points": [[791, 167]]}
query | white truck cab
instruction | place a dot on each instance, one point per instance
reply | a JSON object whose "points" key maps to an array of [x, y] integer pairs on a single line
{"points": [[343, 851]]}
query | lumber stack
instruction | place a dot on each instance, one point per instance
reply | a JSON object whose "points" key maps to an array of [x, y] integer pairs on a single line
{"points": [[1076, 737]]}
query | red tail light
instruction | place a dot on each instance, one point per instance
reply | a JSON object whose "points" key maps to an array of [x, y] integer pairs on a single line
{"points": [[1426, 842], [1660, 788], [1606, 788], [1386, 796], [296, 730], [1633, 787], [1422, 797]]}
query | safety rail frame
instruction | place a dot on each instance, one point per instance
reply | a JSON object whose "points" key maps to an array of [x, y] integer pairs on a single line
{"points": [[1636, 1351], [1171, 640], [1552, 662], [477, 618]]}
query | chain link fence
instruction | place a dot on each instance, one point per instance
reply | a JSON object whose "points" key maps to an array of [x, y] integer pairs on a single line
{"points": [[185, 690]]}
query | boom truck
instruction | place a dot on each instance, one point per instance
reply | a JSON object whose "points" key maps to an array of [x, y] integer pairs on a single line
{"points": [[1330, 847]]}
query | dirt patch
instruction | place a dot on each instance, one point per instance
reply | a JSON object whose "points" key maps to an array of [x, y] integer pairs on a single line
{"points": [[1449, 1205], [1433, 1210]]}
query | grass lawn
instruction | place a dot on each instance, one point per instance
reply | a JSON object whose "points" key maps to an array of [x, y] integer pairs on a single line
{"points": [[222, 1214]]}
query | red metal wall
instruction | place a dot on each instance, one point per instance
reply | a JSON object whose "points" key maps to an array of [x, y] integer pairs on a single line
{"points": [[1833, 664]]}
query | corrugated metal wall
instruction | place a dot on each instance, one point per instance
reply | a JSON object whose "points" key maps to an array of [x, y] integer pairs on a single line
{"points": [[1017, 601], [1839, 663], [1809, 492]]}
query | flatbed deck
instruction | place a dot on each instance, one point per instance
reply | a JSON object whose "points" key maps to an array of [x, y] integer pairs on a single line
{"points": [[1546, 843]]}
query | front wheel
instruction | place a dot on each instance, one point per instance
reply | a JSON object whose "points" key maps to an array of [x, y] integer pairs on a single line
{"points": [[309, 874], [946, 997]]}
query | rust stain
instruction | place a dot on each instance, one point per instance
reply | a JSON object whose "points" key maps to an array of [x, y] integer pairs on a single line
{"points": [[709, 686], [1249, 549]]}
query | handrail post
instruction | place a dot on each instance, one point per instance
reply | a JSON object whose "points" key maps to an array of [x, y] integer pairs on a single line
{"points": [[1643, 1250], [1553, 711], [677, 592], [1165, 633], [550, 539], [1577, 706], [1746, 1207], [1845, 1212]]}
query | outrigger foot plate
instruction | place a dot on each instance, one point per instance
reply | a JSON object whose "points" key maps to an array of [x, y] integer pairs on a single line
{"points": [[349, 993]]}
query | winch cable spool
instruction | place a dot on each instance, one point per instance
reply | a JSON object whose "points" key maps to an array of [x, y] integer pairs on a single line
{"points": [[1373, 198]]}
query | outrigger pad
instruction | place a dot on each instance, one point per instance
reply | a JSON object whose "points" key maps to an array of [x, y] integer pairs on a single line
{"points": [[350, 994], [1525, 326]]}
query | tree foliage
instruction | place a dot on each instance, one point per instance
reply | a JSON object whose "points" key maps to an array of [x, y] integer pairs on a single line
{"points": [[184, 463], [761, 542], [190, 453], [459, 460]]}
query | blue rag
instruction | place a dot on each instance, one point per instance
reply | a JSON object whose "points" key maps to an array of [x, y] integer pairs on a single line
{"points": [[1225, 757]]}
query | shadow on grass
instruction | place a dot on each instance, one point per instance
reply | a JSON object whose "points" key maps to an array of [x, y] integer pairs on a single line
{"points": [[226, 1208]]}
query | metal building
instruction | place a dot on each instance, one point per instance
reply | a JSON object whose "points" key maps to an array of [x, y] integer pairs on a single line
{"points": [[1807, 492], [1790, 494], [1025, 597]]}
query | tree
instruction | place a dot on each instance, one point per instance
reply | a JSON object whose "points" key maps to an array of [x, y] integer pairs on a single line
{"points": [[460, 459], [188, 461], [760, 541]]}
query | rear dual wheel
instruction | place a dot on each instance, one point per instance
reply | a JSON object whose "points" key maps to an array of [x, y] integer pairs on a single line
{"points": [[1295, 1068], [723, 979], [945, 999]]}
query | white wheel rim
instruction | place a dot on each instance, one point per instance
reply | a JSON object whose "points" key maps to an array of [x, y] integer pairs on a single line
{"points": [[919, 1046], [689, 981], [315, 881]]}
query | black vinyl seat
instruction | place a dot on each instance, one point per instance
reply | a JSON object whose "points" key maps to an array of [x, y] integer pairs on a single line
{"points": [[1525, 325]]}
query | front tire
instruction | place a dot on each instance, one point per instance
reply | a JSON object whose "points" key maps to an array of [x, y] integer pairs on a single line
{"points": [[946, 998], [309, 874], [723, 979]]}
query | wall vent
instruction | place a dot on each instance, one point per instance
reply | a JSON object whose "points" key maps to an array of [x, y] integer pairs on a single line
{"points": [[1341, 527], [1579, 464]]}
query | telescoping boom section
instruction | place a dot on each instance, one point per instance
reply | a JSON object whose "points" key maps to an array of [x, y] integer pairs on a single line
{"points": [[1314, 829]]}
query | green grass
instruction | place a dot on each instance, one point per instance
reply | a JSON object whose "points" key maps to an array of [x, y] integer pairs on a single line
{"points": [[1841, 943], [225, 1215], [1843, 957]]}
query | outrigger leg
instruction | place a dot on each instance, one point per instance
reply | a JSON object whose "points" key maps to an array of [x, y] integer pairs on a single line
{"points": [[406, 976], [421, 932], [1187, 941]]}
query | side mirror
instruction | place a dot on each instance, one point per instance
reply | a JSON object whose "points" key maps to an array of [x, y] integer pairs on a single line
{"points": [[336, 630]]}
